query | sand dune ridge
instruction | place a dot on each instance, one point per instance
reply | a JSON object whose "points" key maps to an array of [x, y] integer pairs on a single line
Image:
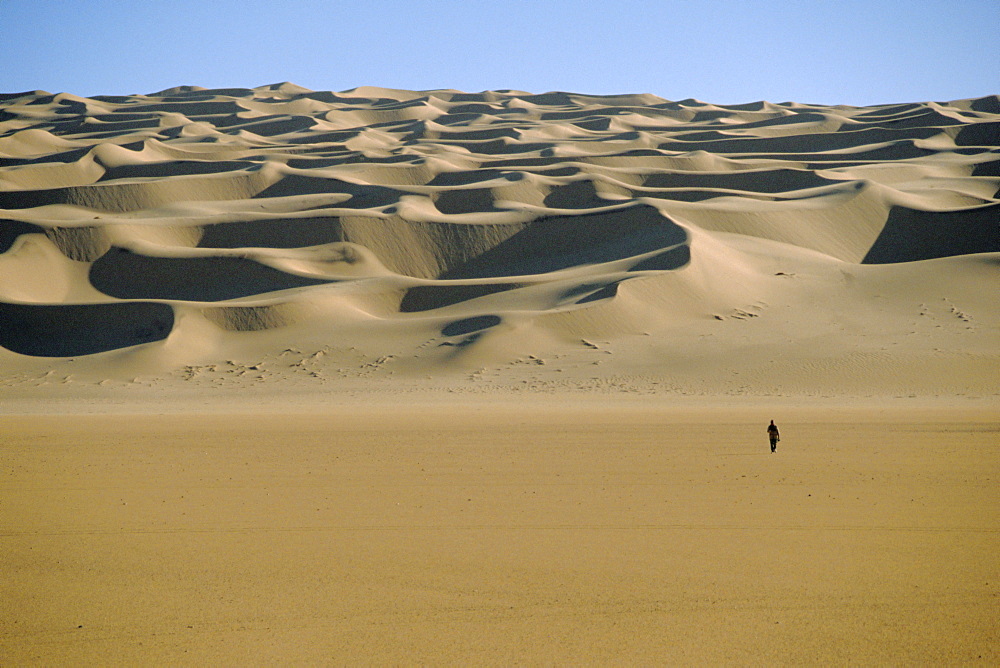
{"points": [[539, 218]]}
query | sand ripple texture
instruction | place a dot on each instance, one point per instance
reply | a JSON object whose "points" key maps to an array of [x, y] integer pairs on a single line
{"points": [[179, 225]]}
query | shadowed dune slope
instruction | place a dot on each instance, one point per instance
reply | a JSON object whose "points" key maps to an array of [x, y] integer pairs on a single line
{"points": [[125, 275], [464, 214], [66, 331], [911, 234]]}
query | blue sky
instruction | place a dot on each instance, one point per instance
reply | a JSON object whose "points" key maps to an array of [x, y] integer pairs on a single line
{"points": [[821, 51]]}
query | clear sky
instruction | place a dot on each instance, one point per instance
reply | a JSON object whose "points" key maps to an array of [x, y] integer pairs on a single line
{"points": [[723, 51]]}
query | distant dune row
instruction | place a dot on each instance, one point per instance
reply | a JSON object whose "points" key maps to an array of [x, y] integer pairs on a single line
{"points": [[243, 210]]}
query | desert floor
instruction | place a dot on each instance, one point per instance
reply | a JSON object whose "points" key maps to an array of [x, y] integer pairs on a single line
{"points": [[496, 534]]}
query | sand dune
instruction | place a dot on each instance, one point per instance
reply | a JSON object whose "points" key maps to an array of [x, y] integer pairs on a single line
{"points": [[467, 232], [439, 377]]}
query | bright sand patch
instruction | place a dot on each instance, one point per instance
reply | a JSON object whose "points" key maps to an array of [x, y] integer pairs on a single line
{"points": [[492, 535]]}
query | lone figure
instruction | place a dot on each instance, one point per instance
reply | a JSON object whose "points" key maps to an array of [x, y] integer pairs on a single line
{"points": [[772, 433]]}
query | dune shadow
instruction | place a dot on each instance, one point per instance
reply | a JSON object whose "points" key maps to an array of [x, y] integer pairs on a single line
{"points": [[464, 178], [991, 168], [989, 104], [469, 325], [804, 143], [125, 275], [888, 111], [771, 181], [592, 292], [10, 230], [163, 170], [910, 235], [979, 134], [467, 200], [124, 123], [575, 195], [696, 195], [921, 118], [362, 196], [29, 199], [458, 119], [494, 147], [559, 242], [192, 107], [478, 134], [320, 138], [64, 157], [273, 233], [429, 297], [266, 126], [526, 164], [70, 330]]}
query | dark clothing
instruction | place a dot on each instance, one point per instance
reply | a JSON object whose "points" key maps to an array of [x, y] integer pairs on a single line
{"points": [[772, 433]]}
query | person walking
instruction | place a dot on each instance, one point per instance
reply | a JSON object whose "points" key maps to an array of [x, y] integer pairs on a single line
{"points": [[772, 433]]}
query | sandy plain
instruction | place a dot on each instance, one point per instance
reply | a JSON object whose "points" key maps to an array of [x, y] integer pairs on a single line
{"points": [[502, 534]]}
